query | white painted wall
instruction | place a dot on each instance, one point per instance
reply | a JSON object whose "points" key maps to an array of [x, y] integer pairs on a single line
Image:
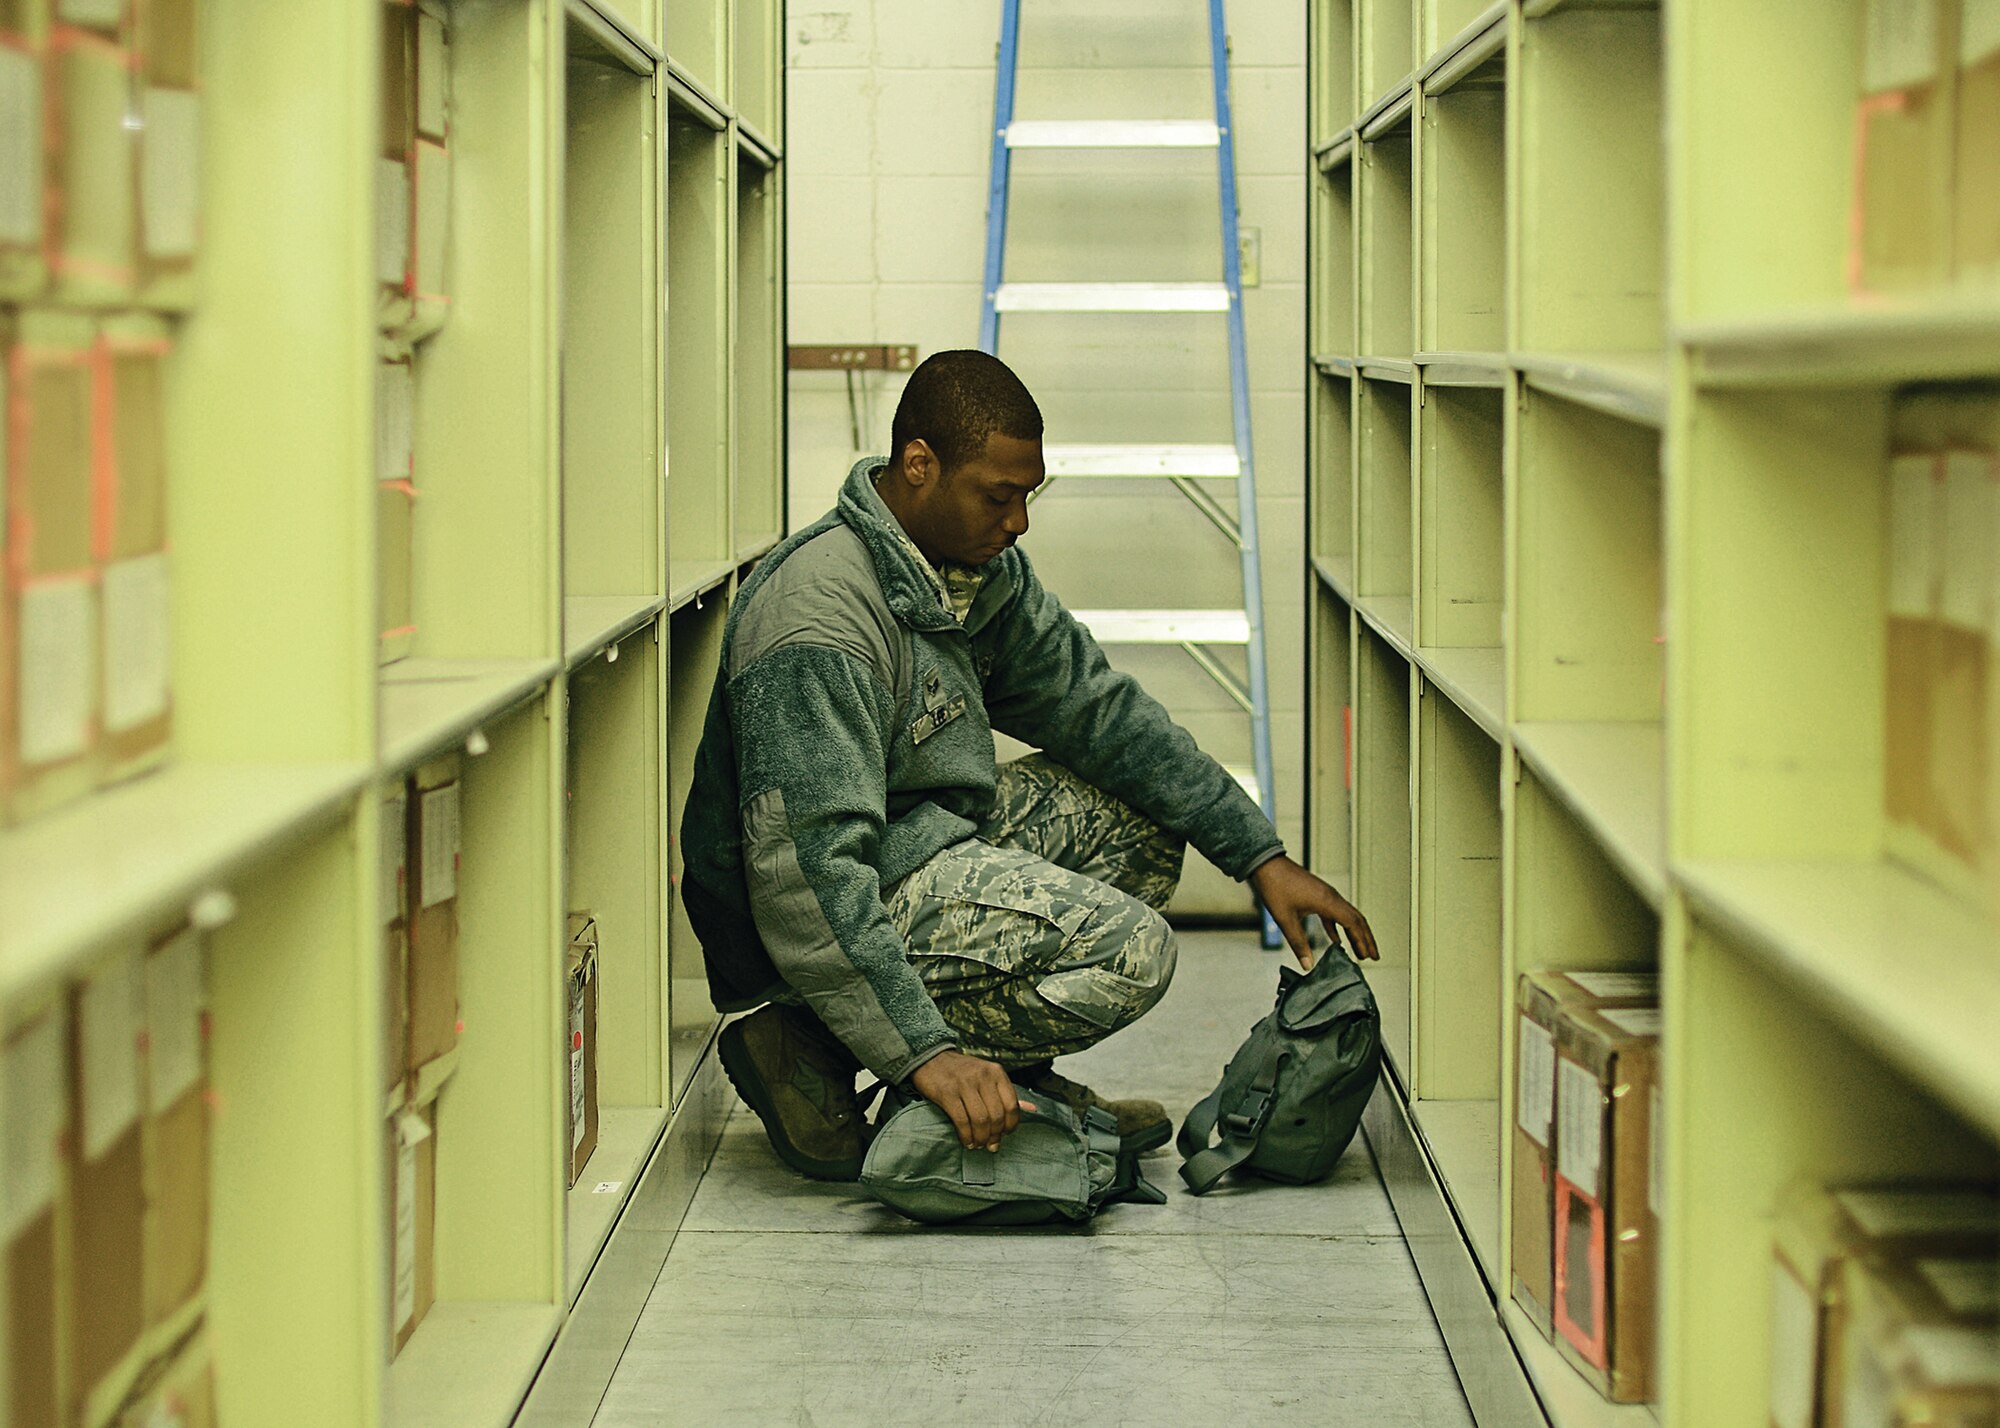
{"points": [[888, 130]]}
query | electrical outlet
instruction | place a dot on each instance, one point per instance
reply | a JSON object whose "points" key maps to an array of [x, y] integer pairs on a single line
{"points": [[1250, 255]]}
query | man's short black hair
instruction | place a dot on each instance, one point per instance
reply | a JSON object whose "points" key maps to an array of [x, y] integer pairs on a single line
{"points": [[955, 400]]}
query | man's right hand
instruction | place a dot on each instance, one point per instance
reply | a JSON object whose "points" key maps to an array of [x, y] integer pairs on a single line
{"points": [[977, 1094]]}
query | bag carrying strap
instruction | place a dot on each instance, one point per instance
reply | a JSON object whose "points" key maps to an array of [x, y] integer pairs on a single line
{"points": [[1202, 1164]]}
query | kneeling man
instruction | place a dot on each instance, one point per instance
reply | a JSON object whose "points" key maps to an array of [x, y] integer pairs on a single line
{"points": [[857, 864]]}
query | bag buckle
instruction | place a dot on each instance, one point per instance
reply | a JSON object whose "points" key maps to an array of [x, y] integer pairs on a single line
{"points": [[1249, 1116]]}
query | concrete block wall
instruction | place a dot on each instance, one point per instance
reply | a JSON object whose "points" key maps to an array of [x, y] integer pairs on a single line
{"points": [[889, 122]]}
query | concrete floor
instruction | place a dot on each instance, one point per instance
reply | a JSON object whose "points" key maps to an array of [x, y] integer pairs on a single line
{"points": [[786, 1301]]}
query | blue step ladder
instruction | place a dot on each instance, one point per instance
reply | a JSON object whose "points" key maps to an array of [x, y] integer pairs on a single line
{"points": [[1198, 632]]}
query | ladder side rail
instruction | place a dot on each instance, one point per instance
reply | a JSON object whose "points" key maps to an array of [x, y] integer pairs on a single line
{"points": [[996, 191], [1239, 394]]}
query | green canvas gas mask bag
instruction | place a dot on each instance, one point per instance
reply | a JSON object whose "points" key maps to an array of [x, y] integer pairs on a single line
{"points": [[1291, 1097], [1052, 1167]]}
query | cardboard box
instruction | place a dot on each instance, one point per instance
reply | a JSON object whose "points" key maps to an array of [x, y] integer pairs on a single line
{"points": [[169, 198], [1607, 1227], [433, 91], [34, 1097], [136, 677], [1976, 163], [176, 1127], [429, 301], [49, 737], [393, 894], [580, 967], [413, 1162], [166, 35], [1921, 1347], [396, 511], [1819, 1231], [23, 173], [95, 161], [179, 1392], [1539, 999], [106, 1248], [433, 979], [1904, 138]]}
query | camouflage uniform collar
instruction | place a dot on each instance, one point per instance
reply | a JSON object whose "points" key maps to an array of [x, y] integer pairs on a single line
{"points": [[918, 592]]}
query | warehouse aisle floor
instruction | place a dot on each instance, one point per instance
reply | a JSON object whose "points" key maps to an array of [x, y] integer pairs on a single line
{"points": [[787, 1301]]}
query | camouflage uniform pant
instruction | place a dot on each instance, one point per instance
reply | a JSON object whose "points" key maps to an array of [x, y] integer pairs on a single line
{"points": [[1043, 934]]}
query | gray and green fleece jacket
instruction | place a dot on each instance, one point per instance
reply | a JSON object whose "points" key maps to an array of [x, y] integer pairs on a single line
{"points": [[850, 739]]}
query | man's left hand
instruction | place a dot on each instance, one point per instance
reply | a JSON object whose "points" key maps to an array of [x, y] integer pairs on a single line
{"points": [[1291, 894]]}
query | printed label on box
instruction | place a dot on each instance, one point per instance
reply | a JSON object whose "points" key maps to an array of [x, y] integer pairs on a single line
{"points": [[138, 663], [1617, 984], [395, 402], [111, 1015], [392, 222], [1967, 1287], [438, 814], [57, 646], [1794, 1350], [1978, 31], [1900, 45], [1896, 1214], [1952, 1357], [405, 1307], [20, 148], [1538, 1082], [169, 173], [174, 1000], [33, 1067], [395, 854], [1965, 582], [1634, 1021], [576, 1113], [1579, 1127], [1912, 572]]}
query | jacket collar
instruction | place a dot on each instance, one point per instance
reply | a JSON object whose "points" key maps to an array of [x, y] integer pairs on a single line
{"points": [[911, 589]]}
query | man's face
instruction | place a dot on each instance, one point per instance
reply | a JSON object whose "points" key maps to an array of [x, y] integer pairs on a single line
{"points": [[977, 511]]}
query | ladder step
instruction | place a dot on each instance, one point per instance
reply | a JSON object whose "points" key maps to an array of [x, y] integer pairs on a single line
{"points": [[1111, 297], [1140, 460], [1113, 134], [1166, 627]]}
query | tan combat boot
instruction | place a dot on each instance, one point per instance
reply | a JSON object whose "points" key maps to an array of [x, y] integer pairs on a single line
{"points": [[801, 1085], [1142, 1124]]}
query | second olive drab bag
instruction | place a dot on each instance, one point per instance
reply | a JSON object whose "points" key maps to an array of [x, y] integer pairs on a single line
{"points": [[1054, 1166], [1291, 1097]]}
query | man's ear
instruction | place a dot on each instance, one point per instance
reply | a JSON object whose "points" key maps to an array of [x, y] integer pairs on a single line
{"points": [[919, 464]]}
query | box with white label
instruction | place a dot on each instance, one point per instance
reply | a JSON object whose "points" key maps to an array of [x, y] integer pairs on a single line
{"points": [[433, 943], [1901, 223], [106, 1183], [412, 1137], [136, 652], [1976, 162], [414, 162], [1539, 999], [34, 1124], [580, 981], [396, 500], [49, 624], [23, 168], [95, 206], [1921, 1343], [176, 1129], [1818, 1231], [1607, 1212]]}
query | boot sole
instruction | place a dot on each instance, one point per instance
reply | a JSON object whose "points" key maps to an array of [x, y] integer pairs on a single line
{"points": [[742, 1074]]}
